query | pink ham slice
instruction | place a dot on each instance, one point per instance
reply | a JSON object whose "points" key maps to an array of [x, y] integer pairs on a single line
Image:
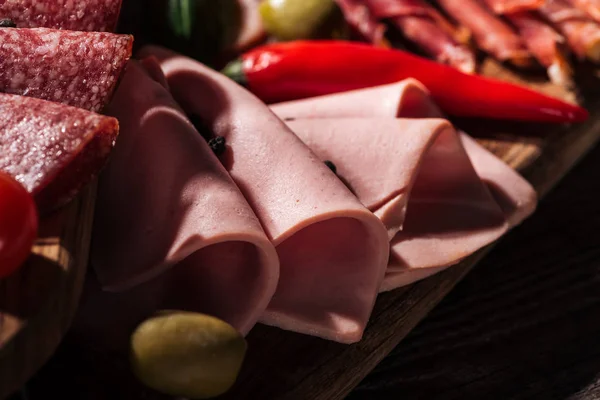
{"points": [[411, 256], [547, 45], [172, 230], [491, 34], [592, 7], [333, 251], [581, 31], [423, 25]]}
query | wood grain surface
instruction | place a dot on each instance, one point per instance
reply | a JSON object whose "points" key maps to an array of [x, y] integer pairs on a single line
{"points": [[524, 324], [284, 365], [37, 303]]}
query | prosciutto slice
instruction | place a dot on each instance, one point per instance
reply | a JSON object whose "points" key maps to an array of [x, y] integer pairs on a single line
{"points": [[362, 21], [592, 7], [547, 45], [172, 230], [513, 6], [333, 251], [491, 34], [441, 232], [423, 25], [581, 31]]}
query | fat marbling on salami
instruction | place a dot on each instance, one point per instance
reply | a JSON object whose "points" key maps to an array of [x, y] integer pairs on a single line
{"points": [[74, 15], [51, 148], [79, 69]]}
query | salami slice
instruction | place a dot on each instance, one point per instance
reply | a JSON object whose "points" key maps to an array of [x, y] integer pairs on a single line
{"points": [[88, 15], [51, 148], [79, 69]]}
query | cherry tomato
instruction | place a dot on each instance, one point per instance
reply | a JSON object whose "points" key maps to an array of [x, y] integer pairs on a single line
{"points": [[18, 224]]}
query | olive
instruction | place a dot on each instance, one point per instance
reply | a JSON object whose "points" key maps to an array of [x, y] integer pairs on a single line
{"points": [[187, 354], [301, 19]]}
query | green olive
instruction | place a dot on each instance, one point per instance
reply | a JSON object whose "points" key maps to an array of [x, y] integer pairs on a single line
{"points": [[187, 354], [299, 19]]}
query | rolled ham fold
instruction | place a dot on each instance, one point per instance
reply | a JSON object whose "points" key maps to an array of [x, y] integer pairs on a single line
{"points": [[580, 30], [333, 251], [362, 21], [433, 236], [423, 25], [172, 230], [547, 45], [491, 34], [513, 6], [591, 7]]}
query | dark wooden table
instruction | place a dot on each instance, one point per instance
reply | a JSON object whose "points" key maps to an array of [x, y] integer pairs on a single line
{"points": [[525, 324]]}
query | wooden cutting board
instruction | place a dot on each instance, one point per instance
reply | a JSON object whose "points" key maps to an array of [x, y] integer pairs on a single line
{"points": [[281, 365], [38, 303]]}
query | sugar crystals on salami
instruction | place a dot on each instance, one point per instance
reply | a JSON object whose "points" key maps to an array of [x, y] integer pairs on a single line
{"points": [[80, 69], [51, 148], [75, 15]]}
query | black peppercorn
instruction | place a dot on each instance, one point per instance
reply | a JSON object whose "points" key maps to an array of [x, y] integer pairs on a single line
{"points": [[217, 144]]}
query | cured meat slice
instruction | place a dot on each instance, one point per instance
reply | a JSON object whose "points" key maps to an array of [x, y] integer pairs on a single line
{"points": [[491, 34], [406, 95], [52, 149], [581, 31], [333, 251], [422, 182], [592, 7], [80, 69], [362, 21], [512, 6], [427, 28], [547, 45], [415, 253], [172, 229], [88, 15]]}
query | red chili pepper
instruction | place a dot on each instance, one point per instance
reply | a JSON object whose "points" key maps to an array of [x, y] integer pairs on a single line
{"points": [[299, 69]]}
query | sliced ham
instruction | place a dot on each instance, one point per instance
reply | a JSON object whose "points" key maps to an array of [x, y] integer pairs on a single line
{"points": [[333, 251], [432, 238], [364, 24], [423, 25], [512, 6], [172, 230], [592, 7], [580, 30], [547, 45], [491, 34]]}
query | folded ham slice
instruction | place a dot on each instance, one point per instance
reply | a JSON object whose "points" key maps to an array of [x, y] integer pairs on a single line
{"points": [[434, 235], [333, 251], [580, 30], [172, 230], [547, 45], [491, 34], [423, 25]]}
